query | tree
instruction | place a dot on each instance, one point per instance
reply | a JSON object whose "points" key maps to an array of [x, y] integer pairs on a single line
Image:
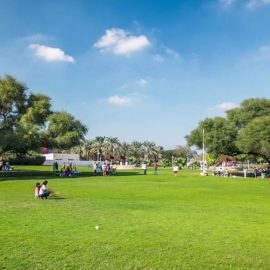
{"points": [[99, 146], [89, 150], [150, 150], [13, 100], [180, 151], [112, 146], [249, 110], [136, 150], [254, 138], [236, 134], [124, 150], [220, 136], [27, 122], [64, 131], [22, 117]]}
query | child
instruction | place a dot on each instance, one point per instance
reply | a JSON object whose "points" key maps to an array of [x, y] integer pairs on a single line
{"points": [[37, 190]]}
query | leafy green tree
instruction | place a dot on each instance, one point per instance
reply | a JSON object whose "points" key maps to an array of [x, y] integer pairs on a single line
{"points": [[64, 131], [249, 110], [179, 161], [164, 162], [254, 138], [242, 132], [179, 151], [13, 100], [220, 136], [22, 117]]}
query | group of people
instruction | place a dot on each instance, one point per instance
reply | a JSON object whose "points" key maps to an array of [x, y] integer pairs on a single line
{"points": [[106, 169], [67, 169], [5, 166], [262, 172]]}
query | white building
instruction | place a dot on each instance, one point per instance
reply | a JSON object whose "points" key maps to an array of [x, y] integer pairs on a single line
{"points": [[65, 158]]}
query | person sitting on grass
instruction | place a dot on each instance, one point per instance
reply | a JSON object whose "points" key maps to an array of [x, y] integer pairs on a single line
{"points": [[62, 172], [43, 191], [68, 171]]}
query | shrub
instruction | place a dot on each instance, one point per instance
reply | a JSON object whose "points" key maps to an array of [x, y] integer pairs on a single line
{"points": [[38, 160]]}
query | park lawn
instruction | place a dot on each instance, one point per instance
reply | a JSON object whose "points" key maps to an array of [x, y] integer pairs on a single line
{"points": [[146, 222]]}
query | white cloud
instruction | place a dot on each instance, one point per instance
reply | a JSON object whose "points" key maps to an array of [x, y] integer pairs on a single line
{"points": [[226, 106], [38, 37], [262, 55], [51, 54], [226, 3], [158, 58], [252, 4], [119, 100], [121, 42], [172, 53], [142, 82]]}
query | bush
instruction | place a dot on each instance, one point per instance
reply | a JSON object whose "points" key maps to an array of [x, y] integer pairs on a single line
{"points": [[38, 160]]}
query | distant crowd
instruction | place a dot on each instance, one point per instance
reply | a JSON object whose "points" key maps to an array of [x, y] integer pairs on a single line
{"points": [[105, 169], [66, 169], [256, 172]]}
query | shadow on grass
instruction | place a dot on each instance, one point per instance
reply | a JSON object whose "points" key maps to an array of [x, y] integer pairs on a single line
{"points": [[31, 175]]}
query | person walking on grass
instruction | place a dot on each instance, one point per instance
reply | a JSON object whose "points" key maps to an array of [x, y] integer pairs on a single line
{"points": [[144, 167], [155, 166], [175, 170]]}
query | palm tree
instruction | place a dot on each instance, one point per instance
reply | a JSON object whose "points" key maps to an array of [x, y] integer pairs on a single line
{"points": [[89, 150], [136, 149], [99, 146], [150, 150], [112, 146], [124, 150]]}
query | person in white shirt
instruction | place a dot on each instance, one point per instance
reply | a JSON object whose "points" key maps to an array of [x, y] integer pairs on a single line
{"points": [[175, 170], [144, 167], [44, 192]]}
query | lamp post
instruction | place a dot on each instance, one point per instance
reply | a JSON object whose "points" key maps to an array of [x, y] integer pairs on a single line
{"points": [[203, 165]]}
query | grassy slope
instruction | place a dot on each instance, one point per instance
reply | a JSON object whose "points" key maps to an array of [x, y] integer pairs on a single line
{"points": [[146, 222]]}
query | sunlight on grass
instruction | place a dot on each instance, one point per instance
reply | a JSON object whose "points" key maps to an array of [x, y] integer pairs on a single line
{"points": [[146, 222]]}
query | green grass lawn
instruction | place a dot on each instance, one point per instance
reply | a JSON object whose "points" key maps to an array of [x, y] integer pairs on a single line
{"points": [[146, 222]]}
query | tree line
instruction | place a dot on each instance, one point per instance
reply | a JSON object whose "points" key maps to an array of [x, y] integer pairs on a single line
{"points": [[103, 147]]}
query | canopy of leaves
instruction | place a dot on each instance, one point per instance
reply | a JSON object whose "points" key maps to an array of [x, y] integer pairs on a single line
{"points": [[64, 131], [242, 131], [24, 117], [254, 138]]}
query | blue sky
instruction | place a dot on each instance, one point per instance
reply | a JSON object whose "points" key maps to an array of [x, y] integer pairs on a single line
{"points": [[139, 70]]}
